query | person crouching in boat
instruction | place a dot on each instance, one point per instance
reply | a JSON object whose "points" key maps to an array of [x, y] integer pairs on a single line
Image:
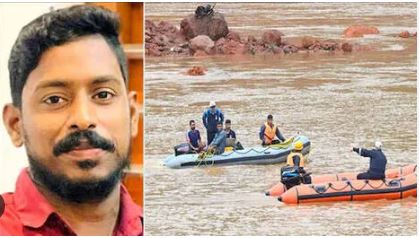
{"points": [[296, 158], [231, 137], [378, 162], [218, 144], [268, 133], [293, 173], [193, 143]]}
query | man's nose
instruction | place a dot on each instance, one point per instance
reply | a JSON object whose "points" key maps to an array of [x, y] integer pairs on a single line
{"points": [[83, 114]]}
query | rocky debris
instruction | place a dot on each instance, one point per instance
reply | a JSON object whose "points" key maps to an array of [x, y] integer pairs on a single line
{"points": [[406, 34], [251, 39], [201, 42], [196, 71], [272, 37], [289, 49], [346, 47], [214, 26], [309, 42], [360, 31], [329, 45], [234, 36], [212, 37]]}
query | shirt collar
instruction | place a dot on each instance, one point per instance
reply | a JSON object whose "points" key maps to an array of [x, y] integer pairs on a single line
{"points": [[31, 206], [34, 210]]}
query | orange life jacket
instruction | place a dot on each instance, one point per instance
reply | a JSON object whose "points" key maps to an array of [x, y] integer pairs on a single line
{"points": [[270, 133], [290, 159]]}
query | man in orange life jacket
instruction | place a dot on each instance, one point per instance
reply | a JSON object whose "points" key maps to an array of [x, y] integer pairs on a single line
{"points": [[72, 110], [269, 131], [296, 158]]}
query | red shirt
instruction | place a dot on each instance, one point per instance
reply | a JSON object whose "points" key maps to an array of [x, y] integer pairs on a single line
{"points": [[27, 212]]}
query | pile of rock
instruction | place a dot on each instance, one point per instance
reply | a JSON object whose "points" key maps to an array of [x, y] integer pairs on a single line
{"points": [[210, 35], [406, 34]]}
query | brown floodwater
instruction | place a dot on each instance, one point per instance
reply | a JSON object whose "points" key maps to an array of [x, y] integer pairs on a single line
{"points": [[337, 100]]}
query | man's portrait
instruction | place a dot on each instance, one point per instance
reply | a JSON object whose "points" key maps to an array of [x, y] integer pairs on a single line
{"points": [[75, 114]]}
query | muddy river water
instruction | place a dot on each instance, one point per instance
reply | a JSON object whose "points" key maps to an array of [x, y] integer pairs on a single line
{"points": [[337, 100]]}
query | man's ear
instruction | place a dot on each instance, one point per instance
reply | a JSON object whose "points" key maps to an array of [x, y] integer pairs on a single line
{"points": [[12, 119], [135, 110]]}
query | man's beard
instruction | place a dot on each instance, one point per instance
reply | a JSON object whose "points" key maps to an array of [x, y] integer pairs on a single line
{"points": [[81, 191], [93, 190]]}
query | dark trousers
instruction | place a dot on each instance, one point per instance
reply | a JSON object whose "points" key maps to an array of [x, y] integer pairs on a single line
{"points": [[368, 175], [272, 143], [210, 136]]}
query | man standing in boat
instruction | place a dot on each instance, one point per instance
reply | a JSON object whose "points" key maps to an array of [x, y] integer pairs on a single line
{"points": [[378, 162], [211, 117], [269, 131], [219, 143]]}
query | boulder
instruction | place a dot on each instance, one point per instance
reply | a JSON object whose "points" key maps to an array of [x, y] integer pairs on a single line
{"points": [[152, 49], [214, 26], [346, 47], [201, 42], [359, 31], [200, 53], [404, 34], [166, 27], [289, 49], [329, 45], [234, 36], [196, 71], [308, 41], [272, 37], [251, 39]]}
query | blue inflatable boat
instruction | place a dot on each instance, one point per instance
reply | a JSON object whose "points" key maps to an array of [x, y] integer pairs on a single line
{"points": [[261, 155]]}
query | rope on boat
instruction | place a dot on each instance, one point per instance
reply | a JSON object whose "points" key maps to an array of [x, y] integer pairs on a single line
{"points": [[323, 189], [204, 156]]}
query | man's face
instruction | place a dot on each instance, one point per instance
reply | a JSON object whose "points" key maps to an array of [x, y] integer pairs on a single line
{"points": [[228, 126], [192, 125], [78, 87], [212, 109], [219, 127], [270, 121]]}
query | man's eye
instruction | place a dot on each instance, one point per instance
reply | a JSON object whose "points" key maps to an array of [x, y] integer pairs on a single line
{"points": [[104, 95], [54, 100]]}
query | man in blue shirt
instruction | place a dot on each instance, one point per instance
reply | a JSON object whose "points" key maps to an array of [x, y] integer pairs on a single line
{"points": [[193, 141], [378, 162], [210, 118], [219, 142], [229, 132], [193, 138]]}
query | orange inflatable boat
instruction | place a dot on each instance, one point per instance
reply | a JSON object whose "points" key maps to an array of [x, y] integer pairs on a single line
{"points": [[352, 190], [280, 188]]}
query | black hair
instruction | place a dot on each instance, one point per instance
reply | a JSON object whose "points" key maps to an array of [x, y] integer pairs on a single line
{"points": [[228, 121], [219, 123], [57, 28], [191, 121], [270, 117]]}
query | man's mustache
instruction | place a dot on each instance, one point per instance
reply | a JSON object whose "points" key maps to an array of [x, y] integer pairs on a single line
{"points": [[73, 140]]}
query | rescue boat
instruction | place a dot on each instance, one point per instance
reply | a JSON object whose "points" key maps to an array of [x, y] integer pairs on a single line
{"points": [[352, 190], [280, 188], [260, 155]]}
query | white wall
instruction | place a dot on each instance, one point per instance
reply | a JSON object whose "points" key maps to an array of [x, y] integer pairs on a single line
{"points": [[12, 18]]}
